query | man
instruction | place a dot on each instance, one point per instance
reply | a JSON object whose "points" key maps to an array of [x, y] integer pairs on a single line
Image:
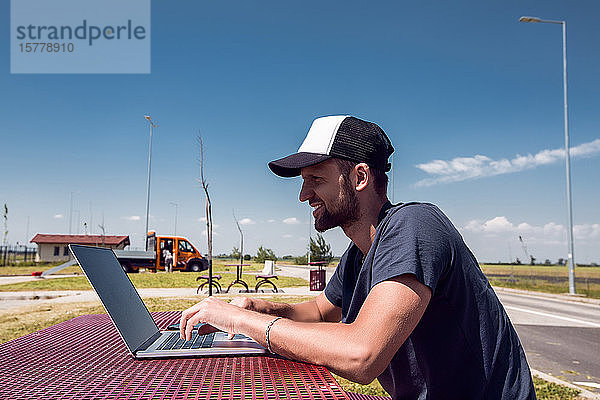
{"points": [[168, 260], [417, 312]]}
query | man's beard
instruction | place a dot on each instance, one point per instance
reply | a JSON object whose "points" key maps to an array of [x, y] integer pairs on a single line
{"points": [[342, 213]]}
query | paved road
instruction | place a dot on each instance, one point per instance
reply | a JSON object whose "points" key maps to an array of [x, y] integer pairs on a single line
{"points": [[560, 337]]}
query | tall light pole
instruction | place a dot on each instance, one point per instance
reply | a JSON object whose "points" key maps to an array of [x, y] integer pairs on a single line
{"points": [[71, 214], [571, 250], [176, 206], [152, 125]]}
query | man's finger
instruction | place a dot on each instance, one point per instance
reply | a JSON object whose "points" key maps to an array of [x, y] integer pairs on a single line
{"points": [[182, 322], [189, 327]]}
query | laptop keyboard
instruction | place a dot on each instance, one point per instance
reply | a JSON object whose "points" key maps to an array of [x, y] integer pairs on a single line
{"points": [[196, 342]]}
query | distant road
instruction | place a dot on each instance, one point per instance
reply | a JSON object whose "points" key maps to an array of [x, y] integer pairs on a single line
{"points": [[560, 337]]}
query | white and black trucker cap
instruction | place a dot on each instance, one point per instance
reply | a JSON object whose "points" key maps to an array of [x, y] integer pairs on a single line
{"points": [[340, 136]]}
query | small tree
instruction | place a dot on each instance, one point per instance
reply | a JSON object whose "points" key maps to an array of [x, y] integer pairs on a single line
{"points": [[263, 254], [235, 253], [319, 249], [302, 260]]}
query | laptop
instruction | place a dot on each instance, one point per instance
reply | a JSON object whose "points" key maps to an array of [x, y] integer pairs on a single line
{"points": [[134, 322]]}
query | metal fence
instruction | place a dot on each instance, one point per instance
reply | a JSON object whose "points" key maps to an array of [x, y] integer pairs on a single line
{"points": [[10, 255]]}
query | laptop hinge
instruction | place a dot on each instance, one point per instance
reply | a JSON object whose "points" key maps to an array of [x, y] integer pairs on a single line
{"points": [[148, 342]]}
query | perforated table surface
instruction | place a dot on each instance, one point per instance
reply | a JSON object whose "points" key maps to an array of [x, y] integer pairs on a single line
{"points": [[84, 358]]}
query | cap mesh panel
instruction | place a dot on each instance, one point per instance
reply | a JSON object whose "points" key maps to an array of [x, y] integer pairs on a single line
{"points": [[362, 141]]}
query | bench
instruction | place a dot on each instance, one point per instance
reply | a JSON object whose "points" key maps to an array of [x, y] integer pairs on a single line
{"points": [[262, 279], [205, 279], [266, 275]]}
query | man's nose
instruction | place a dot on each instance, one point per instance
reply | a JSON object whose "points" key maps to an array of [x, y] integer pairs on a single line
{"points": [[305, 193]]}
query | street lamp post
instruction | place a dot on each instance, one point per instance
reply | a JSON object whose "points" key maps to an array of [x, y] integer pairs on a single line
{"points": [[152, 125], [176, 206], [571, 250]]}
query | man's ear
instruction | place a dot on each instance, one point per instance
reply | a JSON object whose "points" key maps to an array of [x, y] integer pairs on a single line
{"points": [[362, 176]]}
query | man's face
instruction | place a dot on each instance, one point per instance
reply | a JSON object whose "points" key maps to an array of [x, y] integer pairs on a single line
{"points": [[330, 194]]}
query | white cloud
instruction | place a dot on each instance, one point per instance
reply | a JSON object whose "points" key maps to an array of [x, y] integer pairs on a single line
{"points": [[498, 224], [202, 219], [132, 218], [58, 216], [291, 221], [587, 231], [287, 236], [247, 221], [271, 221], [478, 166], [215, 233], [550, 232], [501, 225], [498, 239]]}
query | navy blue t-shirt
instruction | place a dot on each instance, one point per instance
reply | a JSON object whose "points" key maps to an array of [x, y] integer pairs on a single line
{"points": [[464, 346]]}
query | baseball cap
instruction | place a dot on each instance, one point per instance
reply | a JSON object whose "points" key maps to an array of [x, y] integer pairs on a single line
{"points": [[340, 136]]}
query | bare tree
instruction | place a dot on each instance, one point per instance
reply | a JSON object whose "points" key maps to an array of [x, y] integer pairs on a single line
{"points": [[209, 224], [241, 239], [5, 238]]}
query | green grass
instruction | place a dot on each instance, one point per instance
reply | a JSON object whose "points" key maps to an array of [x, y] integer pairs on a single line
{"points": [[551, 391], [547, 270], [372, 389], [543, 389], [21, 321], [144, 280], [548, 279], [218, 267]]}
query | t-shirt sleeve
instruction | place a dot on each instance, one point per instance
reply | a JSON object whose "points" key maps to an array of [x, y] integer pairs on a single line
{"points": [[334, 289], [416, 241]]}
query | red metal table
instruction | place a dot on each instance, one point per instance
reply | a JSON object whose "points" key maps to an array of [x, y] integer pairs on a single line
{"points": [[84, 358], [238, 276]]}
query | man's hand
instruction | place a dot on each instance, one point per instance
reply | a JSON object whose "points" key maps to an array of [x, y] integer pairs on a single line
{"points": [[217, 314], [244, 302]]}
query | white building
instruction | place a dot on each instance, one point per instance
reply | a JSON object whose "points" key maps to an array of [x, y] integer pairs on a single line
{"points": [[53, 247]]}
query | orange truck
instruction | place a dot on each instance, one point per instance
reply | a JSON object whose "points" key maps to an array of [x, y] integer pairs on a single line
{"points": [[185, 256]]}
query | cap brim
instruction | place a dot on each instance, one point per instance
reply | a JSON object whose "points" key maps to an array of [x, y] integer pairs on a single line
{"points": [[291, 165]]}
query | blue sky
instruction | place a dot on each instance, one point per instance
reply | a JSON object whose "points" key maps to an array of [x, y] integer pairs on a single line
{"points": [[463, 83]]}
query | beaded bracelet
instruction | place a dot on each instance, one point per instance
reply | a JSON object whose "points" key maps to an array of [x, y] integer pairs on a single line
{"points": [[268, 331]]}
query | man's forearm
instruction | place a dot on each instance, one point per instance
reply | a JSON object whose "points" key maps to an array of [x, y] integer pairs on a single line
{"points": [[301, 312], [360, 350], [316, 343]]}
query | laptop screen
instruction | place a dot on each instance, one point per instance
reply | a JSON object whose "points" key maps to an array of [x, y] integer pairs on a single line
{"points": [[120, 299]]}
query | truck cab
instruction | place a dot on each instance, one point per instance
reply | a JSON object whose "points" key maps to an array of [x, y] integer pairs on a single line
{"points": [[185, 256]]}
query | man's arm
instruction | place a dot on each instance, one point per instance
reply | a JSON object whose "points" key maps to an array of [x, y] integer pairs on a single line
{"points": [[359, 351], [318, 310]]}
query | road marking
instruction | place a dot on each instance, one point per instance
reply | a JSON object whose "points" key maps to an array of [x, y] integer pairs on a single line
{"points": [[541, 296], [590, 384], [543, 314]]}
